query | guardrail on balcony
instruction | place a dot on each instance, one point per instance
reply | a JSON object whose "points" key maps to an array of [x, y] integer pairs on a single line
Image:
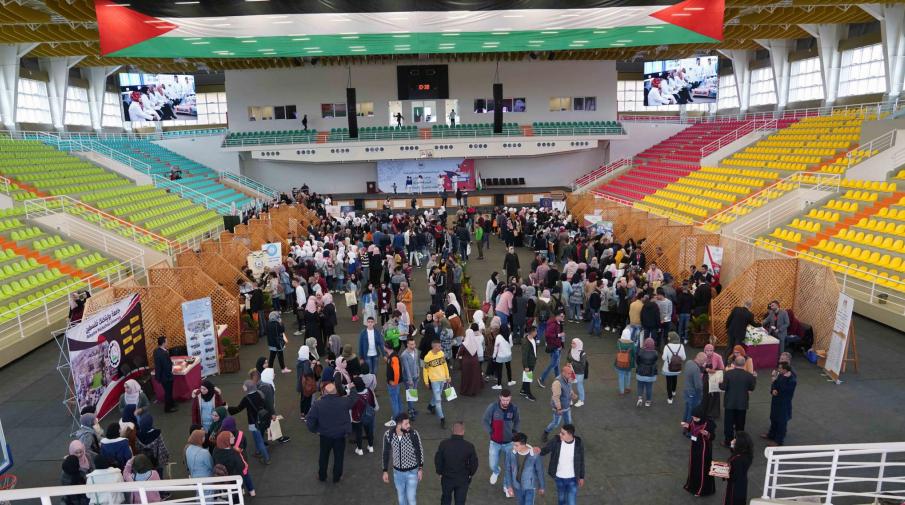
{"points": [[871, 149], [747, 128], [590, 178], [264, 190], [846, 473], [206, 491], [873, 107]]}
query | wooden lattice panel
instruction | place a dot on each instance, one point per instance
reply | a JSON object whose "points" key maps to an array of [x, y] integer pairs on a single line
{"points": [[224, 273], [98, 301], [236, 253], [762, 282], [261, 233], [816, 296], [212, 245], [664, 239], [690, 251], [292, 227], [192, 283], [738, 255]]}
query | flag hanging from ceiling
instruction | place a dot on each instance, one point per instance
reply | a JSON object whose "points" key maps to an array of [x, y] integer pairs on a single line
{"points": [[283, 28]]}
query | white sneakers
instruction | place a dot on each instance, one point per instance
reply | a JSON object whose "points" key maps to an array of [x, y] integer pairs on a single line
{"points": [[359, 452], [390, 423], [640, 401], [579, 403], [370, 449], [493, 478], [669, 401], [511, 383], [506, 492], [298, 332], [497, 387]]}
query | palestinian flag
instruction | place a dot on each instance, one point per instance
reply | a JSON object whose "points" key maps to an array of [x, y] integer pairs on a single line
{"points": [[274, 28]]}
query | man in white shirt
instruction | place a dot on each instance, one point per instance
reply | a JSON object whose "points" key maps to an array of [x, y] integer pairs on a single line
{"points": [[566, 463], [657, 94], [370, 344], [300, 300]]}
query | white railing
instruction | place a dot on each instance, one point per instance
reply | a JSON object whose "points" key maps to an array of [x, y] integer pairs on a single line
{"points": [[871, 149], [253, 185], [748, 128], [772, 216], [206, 491], [590, 178], [5, 185], [836, 474]]}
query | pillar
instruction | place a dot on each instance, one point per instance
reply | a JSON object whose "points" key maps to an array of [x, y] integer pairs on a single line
{"points": [[740, 58], [97, 86], [892, 19], [782, 69], [58, 79], [10, 54], [828, 36]]}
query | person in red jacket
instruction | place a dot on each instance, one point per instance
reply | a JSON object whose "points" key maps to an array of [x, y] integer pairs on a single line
{"points": [[554, 337], [204, 400]]}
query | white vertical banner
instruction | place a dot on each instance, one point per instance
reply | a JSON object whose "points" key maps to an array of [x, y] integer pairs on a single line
{"points": [[713, 258], [273, 254], [835, 355], [201, 334], [256, 262]]}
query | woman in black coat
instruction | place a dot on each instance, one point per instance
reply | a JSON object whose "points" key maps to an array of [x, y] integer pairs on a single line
{"points": [[739, 464], [328, 317]]}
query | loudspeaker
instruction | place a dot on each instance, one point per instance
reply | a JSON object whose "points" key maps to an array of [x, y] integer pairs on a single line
{"points": [[498, 200], [359, 204], [498, 108], [352, 113], [372, 187]]}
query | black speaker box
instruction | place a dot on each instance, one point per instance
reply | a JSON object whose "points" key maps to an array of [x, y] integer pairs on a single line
{"points": [[497, 108], [352, 113]]}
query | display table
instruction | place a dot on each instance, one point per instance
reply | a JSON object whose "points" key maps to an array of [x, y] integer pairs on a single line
{"points": [[186, 378], [765, 354]]}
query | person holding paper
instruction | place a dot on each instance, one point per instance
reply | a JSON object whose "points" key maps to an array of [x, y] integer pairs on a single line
{"points": [[436, 376], [411, 371], [782, 390], [700, 429]]}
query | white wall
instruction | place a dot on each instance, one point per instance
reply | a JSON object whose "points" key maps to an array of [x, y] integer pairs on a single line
{"points": [[544, 171], [205, 150], [310, 86], [642, 135]]}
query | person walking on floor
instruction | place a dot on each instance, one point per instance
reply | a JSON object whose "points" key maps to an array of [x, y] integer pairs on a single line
{"points": [[456, 462], [738, 384], [523, 477], [411, 373], [646, 371], [436, 377], [554, 338], [370, 344], [529, 361], [739, 464], [501, 420], [579, 361], [255, 406], [561, 397], [782, 390], [163, 373], [693, 391], [502, 356], [403, 450], [363, 415], [329, 417], [276, 340], [566, 464], [394, 379], [625, 361], [673, 364]]}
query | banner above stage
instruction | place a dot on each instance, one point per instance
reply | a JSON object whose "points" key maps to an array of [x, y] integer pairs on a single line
{"points": [[283, 28], [425, 175]]}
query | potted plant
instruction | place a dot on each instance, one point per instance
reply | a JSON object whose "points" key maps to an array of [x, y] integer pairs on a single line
{"points": [[249, 330], [229, 359], [700, 330]]}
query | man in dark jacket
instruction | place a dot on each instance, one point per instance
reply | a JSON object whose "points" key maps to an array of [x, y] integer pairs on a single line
{"points": [[566, 463], [329, 417], [457, 462], [737, 383], [163, 372], [782, 390], [737, 324], [256, 306], [702, 296], [650, 320], [511, 264]]}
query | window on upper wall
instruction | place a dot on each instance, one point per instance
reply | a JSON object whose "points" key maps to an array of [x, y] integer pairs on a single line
{"points": [[77, 107], [629, 96], [32, 105], [333, 110], [806, 80], [763, 92], [728, 94], [112, 113], [862, 71], [211, 107], [587, 103], [364, 109], [560, 104]]}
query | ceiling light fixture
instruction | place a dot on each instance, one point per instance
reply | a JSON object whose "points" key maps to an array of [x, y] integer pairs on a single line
{"points": [[202, 43], [301, 39], [350, 37], [358, 50], [187, 3], [192, 38], [513, 16], [401, 36], [249, 41], [548, 33], [283, 22], [450, 34]]}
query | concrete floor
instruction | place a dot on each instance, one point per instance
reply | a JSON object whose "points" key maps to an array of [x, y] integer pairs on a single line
{"points": [[633, 456]]}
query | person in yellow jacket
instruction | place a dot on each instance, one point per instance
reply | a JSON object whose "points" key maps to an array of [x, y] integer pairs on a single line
{"points": [[436, 375]]}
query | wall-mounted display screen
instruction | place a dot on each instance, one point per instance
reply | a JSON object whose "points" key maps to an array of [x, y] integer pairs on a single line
{"points": [[685, 81], [416, 82], [158, 97]]}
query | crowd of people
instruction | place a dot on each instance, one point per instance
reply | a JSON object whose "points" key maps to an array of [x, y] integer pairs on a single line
{"points": [[579, 285]]}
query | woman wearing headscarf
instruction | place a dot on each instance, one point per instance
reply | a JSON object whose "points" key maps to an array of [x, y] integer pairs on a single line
{"points": [[328, 317], [306, 381], [227, 454], [341, 377], [276, 339], [133, 395], [149, 441], [86, 458], [353, 366], [104, 473], [217, 417], [405, 296], [470, 383], [579, 361], [700, 430], [204, 400], [502, 354], [739, 464], [490, 288], [713, 364], [403, 323], [646, 371], [198, 460], [519, 314], [361, 422], [452, 305], [141, 469], [114, 447], [89, 432], [72, 475], [444, 332], [311, 342], [456, 325], [313, 322]]}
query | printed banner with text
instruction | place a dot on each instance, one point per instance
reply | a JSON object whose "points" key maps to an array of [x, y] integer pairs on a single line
{"points": [[200, 334], [425, 175]]}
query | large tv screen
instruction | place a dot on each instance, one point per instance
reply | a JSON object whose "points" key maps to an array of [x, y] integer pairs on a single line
{"points": [[158, 97], [685, 81], [418, 82]]}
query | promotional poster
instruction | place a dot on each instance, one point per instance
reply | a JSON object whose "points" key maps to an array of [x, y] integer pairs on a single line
{"points": [[106, 349], [200, 334], [425, 175]]}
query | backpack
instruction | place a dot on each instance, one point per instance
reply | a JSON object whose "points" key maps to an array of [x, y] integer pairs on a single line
{"points": [[220, 470], [543, 315], [624, 359], [368, 414], [675, 361], [262, 416]]}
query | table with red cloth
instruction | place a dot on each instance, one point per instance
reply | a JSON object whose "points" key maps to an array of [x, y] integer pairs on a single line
{"points": [[186, 378], [764, 354]]}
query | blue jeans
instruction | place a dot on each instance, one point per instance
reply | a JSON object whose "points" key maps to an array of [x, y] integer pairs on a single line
{"points": [[566, 491], [565, 418], [683, 326], [406, 486], [395, 400], [262, 322], [259, 442], [504, 318], [437, 398], [541, 330], [579, 385], [692, 400], [552, 367], [495, 450], [524, 496], [645, 389], [410, 404], [625, 379], [636, 333], [575, 311], [372, 363], [595, 328]]}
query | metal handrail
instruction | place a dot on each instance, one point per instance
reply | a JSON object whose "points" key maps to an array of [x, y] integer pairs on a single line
{"points": [[208, 490], [252, 184], [747, 128], [878, 107], [863, 152], [600, 172]]}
